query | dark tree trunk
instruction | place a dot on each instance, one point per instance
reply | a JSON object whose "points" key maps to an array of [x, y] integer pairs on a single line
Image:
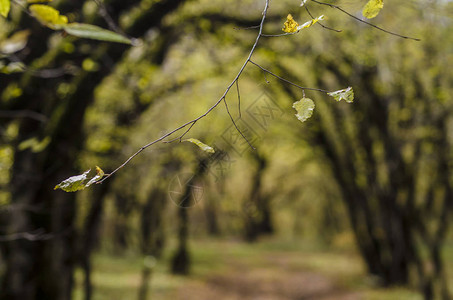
{"points": [[44, 269], [257, 209], [180, 263]]}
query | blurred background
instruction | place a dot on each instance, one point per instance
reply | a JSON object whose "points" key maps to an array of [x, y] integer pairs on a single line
{"points": [[355, 203]]}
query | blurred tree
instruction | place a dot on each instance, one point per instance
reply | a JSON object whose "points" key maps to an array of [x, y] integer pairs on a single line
{"points": [[390, 151], [44, 269]]}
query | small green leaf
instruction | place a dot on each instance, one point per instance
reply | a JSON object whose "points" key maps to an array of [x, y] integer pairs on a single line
{"points": [[5, 6], [15, 43], [346, 95], [202, 146], [304, 108], [79, 182], [74, 183], [48, 16], [94, 32], [372, 8]]}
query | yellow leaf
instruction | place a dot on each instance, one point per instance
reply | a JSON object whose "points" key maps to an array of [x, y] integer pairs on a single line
{"points": [[48, 16], [5, 6], [290, 25], [99, 171], [372, 8]]}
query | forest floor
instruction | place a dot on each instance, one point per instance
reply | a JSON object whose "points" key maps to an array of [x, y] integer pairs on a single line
{"points": [[228, 269]]}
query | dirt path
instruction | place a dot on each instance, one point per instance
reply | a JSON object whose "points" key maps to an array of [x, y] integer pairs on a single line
{"points": [[276, 278]]}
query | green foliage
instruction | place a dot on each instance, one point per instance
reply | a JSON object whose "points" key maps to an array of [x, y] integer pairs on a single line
{"points": [[304, 108], [52, 18], [372, 8], [5, 6], [79, 182], [345, 94], [94, 32], [202, 146]]}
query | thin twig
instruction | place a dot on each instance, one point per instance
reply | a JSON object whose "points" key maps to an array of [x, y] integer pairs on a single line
{"points": [[182, 135], [265, 79], [24, 9], [281, 34], [209, 110], [107, 18], [319, 23], [239, 98], [111, 23], [235, 125], [365, 22], [247, 28], [287, 81]]}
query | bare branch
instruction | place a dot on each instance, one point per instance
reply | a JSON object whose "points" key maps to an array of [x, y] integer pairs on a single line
{"points": [[287, 81], [247, 28], [192, 122], [365, 22], [235, 125], [239, 98], [319, 23]]}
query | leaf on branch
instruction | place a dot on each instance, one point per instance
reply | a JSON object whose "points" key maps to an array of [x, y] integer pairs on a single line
{"points": [[202, 146], [345, 94], [290, 25], [48, 16], [304, 108], [5, 6], [94, 32], [372, 8], [15, 43], [74, 183], [310, 23], [79, 182], [99, 174]]}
